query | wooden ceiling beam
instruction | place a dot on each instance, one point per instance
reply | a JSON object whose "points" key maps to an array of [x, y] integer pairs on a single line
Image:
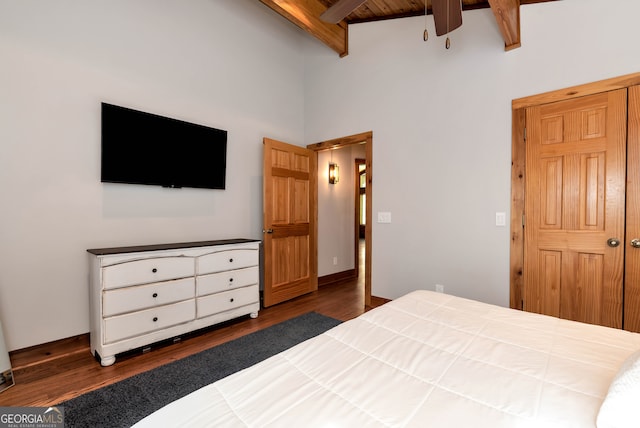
{"points": [[507, 13], [306, 15]]}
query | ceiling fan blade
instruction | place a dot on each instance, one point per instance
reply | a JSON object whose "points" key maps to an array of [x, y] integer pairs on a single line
{"points": [[447, 15], [340, 10]]}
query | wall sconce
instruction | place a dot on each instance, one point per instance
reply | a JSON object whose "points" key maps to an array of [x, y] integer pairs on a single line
{"points": [[334, 173]]}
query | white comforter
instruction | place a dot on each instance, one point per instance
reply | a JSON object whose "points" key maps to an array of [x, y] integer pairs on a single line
{"points": [[423, 360]]}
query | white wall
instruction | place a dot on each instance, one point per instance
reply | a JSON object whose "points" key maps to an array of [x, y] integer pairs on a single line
{"points": [[230, 64], [441, 122], [336, 210]]}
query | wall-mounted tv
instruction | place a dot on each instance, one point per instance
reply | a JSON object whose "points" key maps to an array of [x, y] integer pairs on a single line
{"points": [[144, 148]]}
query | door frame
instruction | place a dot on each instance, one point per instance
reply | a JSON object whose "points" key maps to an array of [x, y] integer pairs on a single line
{"points": [[365, 138], [518, 170]]}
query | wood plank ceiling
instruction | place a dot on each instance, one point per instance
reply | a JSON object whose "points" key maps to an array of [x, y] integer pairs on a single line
{"points": [[306, 15]]}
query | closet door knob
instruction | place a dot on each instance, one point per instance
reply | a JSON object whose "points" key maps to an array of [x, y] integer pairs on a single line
{"points": [[613, 242], [635, 243]]}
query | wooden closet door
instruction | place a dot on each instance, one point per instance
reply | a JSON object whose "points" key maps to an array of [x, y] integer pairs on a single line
{"points": [[574, 204], [632, 258]]}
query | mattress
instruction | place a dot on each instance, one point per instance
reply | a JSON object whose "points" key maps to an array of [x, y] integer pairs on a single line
{"points": [[425, 359]]}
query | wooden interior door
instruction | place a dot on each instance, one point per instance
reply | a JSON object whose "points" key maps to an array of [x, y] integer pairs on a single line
{"points": [[632, 256], [289, 219], [574, 204]]}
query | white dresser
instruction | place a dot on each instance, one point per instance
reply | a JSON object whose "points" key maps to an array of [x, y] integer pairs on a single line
{"points": [[145, 294], [6, 374]]}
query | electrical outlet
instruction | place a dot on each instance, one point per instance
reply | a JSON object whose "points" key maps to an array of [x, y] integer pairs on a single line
{"points": [[440, 288], [335, 260]]}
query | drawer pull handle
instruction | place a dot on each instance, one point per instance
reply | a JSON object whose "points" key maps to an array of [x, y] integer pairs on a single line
{"points": [[231, 300], [155, 295], [154, 270], [230, 279], [155, 319], [230, 260]]}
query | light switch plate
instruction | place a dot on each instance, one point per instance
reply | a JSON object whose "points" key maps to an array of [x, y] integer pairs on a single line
{"points": [[501, 219], [384, 217]]}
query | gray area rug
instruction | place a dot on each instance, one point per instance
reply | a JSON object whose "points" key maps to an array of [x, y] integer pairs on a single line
{"points": [[126, 402]]}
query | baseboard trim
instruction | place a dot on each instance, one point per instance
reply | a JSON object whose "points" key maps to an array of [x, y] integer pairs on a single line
{"points": [[46, 352], [345, 275], [378, 301]]}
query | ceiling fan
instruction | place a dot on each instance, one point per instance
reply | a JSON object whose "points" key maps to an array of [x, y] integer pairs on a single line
{"points": [[447, 14]]}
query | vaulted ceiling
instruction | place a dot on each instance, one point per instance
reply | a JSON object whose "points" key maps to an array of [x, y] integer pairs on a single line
{"points": [[306, 15]]}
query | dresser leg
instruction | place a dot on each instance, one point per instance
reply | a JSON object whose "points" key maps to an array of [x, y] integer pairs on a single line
{"points": [[107, 361]]}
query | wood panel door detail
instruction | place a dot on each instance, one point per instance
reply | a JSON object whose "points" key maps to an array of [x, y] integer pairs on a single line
{"points": [[290, 264], [575, 203], [632, 253]]}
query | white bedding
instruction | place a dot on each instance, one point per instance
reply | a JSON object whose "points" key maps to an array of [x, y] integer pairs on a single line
{"points": [[425, 359]]}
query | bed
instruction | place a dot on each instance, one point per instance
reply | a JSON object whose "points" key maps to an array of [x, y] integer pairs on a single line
{"points": [[431, 359]]}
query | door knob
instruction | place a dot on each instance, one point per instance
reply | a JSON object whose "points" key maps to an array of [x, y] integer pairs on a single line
{"points": [[613, 242], [267, 230], [635, 243]]}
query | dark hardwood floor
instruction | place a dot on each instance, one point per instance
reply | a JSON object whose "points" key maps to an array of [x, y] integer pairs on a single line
{"points": [[49, 374]]}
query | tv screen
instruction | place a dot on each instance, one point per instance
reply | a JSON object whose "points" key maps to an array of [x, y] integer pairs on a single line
{"points": [[144, 148]]}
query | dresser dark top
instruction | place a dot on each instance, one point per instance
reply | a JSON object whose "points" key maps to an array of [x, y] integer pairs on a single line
{"points": [[172, 246]]}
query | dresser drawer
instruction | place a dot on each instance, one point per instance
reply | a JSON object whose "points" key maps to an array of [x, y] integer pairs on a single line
{"points": [[138, 323], [220, 302], [129, 299], [146, 271], [227, 260], [222, 281]]}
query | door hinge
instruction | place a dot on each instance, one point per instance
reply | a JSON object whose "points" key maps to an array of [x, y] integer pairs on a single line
{"points": [[523, 220], [524, 134]]}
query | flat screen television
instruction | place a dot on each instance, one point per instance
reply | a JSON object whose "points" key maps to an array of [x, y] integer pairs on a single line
{"points": [[144, 148]]}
